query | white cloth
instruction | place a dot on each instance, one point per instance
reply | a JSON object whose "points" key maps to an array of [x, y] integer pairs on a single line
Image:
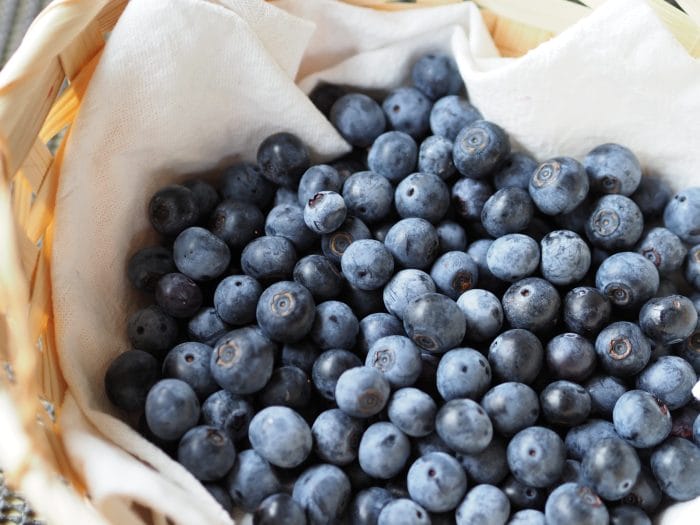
{"points": [[189, 85]]}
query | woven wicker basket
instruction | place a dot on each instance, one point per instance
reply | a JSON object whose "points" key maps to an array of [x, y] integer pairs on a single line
{"points": [[40, 94]]}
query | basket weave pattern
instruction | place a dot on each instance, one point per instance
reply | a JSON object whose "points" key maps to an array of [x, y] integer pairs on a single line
{"points": [[41, 90]]}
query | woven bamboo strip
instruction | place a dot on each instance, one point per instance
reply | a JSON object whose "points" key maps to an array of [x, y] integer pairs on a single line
{"points": [[81, 50], [36, 164]]}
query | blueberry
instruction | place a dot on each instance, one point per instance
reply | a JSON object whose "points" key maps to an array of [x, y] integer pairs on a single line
{"points": [[676, 466], [244, 182], [670, 379], [437, 482], [469, 197], [464, 426], [646, 493], [285, 196], [572, 472], [628, 515], [407, 109], [430, 443], [450, 114], [403, 287], [615, 223], [696, 430], [422, 195], [189, 362], [199, 254], [690, 349], [484, 504], [397, 358], [351, 162], [362, 392], [558, 185], [483, 313], [692, 269], [148, 265], [435, 157], [622, 349], [384, 450], [329, 367], [566, 258], [287, 220], [336, 437], [286, 311], [509, 210], [288, 386], [269, 258], [478, 250], [413, 243], [527, 517], [580, 439], [235, 299], [374, 327], [611, 467], [565, 403], [206, 326], [324, 95], [206, 452], [668, 320], [488, 466], [612, 168], [319, 275], [281, 436], [229, 412], [664, 248], [627, 279], [515, 172], [251, 480], [178, 295], [454, 273], [513, 257], [536, 456], [523, 496], [335, 326], [302, 355], [320, 177], [434, 322], [480, 148], [576, 219], [412, 411], [220, 494], [242, 361], [152, 330], [652, 196], [325, 212], [368, 504], [393, 155], [532, 303], [641, 419], [334, 244], [511, 407], [403, 511], [604, 391], [451, 236], [129, 377], [279, 508], [573, 503], [570, 356], [379, 232], [367, 264], [368, 196], [463, 372], [237, 222], [586, 311], [172, 209], [172, 408], [436, 75], [516, 355], [283, 159], [682, 215], [358, 118]]}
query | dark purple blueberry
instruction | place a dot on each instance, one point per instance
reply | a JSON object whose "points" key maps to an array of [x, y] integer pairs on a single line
{"points": [[178, 295], [129, 377], [172, 209], [283, 158], [148, 265], [358, 118]]}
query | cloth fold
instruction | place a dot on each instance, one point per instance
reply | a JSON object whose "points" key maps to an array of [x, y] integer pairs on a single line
{"points": [[188, 86]]}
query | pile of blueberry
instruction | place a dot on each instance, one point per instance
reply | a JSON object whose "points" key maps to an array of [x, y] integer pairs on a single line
{"points": [[431, 329]]}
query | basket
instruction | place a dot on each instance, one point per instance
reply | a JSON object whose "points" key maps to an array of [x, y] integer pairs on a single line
{"points": [[41, 89]]}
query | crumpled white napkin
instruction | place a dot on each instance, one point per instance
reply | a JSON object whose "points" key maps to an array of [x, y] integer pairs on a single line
{"points": [[186, 86]]}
